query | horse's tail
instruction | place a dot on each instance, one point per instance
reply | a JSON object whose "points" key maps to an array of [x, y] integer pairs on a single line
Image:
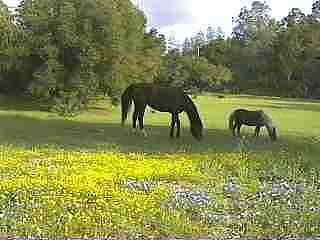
{"points": [[196, 125], [126, 101], [232, 120]]}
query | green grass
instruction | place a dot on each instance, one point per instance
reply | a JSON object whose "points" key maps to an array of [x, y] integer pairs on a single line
{"points": [[67, 177]]}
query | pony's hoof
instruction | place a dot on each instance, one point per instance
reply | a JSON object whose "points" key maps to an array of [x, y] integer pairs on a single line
{"points": [[144, 133], [134, 131]]}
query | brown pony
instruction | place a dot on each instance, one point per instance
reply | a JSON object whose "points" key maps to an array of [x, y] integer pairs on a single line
{"points": [[258, 119]]}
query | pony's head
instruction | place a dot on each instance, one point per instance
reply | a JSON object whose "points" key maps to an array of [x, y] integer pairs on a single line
{"points": [[274, 135], [273, 132]]}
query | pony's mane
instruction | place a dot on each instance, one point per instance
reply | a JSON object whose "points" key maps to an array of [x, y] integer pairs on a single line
{"points": [[272, 129]]}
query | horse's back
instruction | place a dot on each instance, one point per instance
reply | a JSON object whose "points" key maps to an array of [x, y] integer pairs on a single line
{"points": [[156, 89], [161, 98]]}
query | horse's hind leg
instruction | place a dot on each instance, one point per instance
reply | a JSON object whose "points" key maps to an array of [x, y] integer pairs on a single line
{"points": [[173, 122]]}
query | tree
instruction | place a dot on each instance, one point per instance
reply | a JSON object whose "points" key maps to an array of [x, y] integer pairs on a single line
{"points": [[251, 21], [295, 17], [215, 51], [13, 50], [219, 33], [204, 76], [187, 47], [210, 34], [88, 46], [315, 15], [198, 41], [173, 43]]}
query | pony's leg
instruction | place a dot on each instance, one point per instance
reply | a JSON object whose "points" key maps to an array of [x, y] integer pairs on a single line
{"points": [[257, 131], [173, 123], [140, 117], [238, 129], [234, 129], [178, 125]]}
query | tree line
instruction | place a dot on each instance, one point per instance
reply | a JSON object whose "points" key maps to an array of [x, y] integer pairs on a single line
{"points": [[72, 49], [262, 56]]}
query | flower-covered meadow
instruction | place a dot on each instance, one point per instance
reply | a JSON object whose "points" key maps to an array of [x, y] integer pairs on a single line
{"points": [[88, 177]]}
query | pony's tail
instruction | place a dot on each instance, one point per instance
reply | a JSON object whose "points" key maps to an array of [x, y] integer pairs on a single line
{"points": [[196, 126], [231, 121], [126, 100]]}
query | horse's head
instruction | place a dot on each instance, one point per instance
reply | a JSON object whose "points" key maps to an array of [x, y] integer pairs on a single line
{"points": [[197, 131], [196, 126]]}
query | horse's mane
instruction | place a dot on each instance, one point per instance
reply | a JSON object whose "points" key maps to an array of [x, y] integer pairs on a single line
{"points": [[196, 125]]}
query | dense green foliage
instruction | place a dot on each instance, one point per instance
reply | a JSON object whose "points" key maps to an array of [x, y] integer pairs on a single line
{"points": [[73, 49], [77, 47], [269, 57], [263, 56]]}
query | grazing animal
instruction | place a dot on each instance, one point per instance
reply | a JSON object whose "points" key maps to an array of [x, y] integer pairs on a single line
{"points": [[163, 99], [258, 118]]}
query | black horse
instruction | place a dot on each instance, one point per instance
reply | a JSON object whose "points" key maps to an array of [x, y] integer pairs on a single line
{"points": [[164, 99], [258, 118]]}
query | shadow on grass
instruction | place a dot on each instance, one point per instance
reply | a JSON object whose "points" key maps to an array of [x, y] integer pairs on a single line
{"points": [[22, 103], [72, 135]]}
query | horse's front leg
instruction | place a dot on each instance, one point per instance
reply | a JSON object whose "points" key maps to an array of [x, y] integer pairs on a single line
{"points": [[140, 117], [134, 120], [173, 122], [178, 125]]}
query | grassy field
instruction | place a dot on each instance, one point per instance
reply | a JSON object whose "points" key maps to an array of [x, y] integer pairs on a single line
{"points": [[88, 177]]}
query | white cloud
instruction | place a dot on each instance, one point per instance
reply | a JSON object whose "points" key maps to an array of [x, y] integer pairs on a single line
{"points": [[11, 3], [202, 14], [281, 8]]}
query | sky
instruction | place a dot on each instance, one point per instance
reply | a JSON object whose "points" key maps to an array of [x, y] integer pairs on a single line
{"points": [[184, 18]]}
